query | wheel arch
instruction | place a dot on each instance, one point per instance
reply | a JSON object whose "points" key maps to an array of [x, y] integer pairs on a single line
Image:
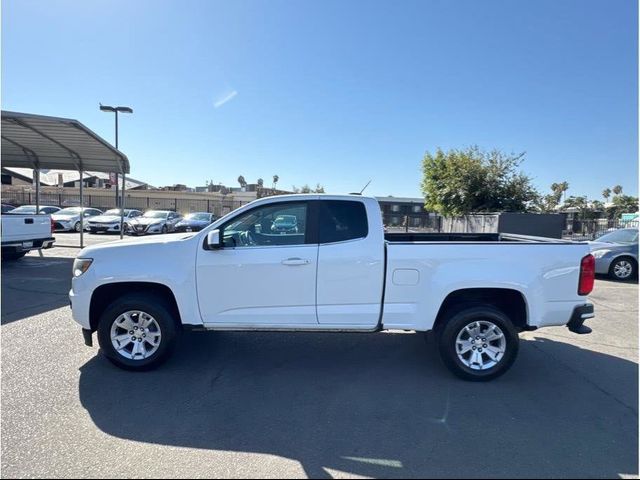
{"points": [[510, 301], [107, 293]]}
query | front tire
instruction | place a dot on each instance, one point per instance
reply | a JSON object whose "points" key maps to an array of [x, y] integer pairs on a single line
{"points": [[77, 227], [137, 332], [623, 269], [164, 229], [478, 343]]}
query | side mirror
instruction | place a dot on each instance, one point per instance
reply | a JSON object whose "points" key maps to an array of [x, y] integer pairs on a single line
{"points": [[214, 241]]}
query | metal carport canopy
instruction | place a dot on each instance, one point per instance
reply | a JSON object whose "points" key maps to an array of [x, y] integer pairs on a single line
{"points": [[42, 142]]}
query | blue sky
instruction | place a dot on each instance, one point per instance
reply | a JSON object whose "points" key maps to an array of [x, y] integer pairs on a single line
{"points": [[337, 92]]}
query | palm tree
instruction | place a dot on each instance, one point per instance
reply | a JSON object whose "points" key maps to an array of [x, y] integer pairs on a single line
{"points": [[260, 182], [241, 181], [275, 180], [617, 190], [606, 193], [564, 186]]}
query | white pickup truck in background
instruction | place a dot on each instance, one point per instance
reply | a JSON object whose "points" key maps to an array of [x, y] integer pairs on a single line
{"points": [[22, 233], [336, 271]]}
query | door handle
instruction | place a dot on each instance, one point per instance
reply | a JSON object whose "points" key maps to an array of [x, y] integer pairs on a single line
{"points": [[296, 261]]}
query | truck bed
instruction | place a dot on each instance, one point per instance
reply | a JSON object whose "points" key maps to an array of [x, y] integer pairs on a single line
{"points": [[414, 237]]}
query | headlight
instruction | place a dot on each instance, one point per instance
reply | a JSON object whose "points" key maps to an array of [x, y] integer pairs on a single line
{"points": [[600, 253], [81, 265]]}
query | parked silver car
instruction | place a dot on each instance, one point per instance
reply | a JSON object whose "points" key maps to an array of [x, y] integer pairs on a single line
{"points": [[616, 253], [31, 209], [109, 221], [154, 221], [68, 219]]}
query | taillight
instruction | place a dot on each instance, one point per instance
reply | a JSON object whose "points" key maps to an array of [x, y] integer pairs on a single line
{"points": [[587, 275]]}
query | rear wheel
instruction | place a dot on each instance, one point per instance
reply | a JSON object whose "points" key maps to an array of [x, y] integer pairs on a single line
{"points": [[137, 332], [623, 269], [478, 343], [13, 255]]}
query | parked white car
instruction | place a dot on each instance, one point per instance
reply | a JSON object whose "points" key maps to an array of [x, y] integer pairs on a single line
{"points": [[31, 209], [154, 221], [336, 272], [68, 219], [109, 221]]}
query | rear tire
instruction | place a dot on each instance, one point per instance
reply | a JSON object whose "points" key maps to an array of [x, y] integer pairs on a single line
{"points": [[478, 343], [13, 255], [144, 315]]}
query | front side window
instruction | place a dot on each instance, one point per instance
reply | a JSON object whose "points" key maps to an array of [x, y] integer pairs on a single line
{"points": [[342, 220], [272, 225]]}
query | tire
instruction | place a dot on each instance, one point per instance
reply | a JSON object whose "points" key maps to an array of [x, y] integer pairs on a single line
{"points": [[153, 306], [623, 269], [164, 229], [77, 227], [13, 255], [504, 349]]}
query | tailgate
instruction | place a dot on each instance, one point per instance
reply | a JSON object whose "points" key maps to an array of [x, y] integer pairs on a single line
{"points": [[18, 228]]}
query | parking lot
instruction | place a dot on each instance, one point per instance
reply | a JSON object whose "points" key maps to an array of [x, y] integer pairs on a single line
{"points": [[301, 404]]}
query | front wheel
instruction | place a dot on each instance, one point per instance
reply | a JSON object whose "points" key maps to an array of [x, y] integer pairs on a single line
{"points": [[137, 332], [77, 227], [478, 343], [622, 269], [164, 229]]}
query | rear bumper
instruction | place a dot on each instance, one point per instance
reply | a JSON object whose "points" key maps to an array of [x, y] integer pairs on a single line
{"points": [[28, 245], [580, 314]]}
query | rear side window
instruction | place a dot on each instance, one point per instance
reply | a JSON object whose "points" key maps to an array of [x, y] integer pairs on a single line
{"points": [[342, 220]]}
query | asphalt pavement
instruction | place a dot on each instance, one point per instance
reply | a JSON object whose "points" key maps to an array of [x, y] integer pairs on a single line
{"points": [[279, 405]]}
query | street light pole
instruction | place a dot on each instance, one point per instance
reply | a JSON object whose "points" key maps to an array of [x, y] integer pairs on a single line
{"points": [[119, 202]]}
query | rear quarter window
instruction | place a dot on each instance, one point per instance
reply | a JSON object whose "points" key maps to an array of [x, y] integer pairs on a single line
{"points": [[342, 220]]}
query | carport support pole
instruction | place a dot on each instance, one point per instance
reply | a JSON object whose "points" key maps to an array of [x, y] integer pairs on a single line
{"points": [[81, 210], [37, 178], [122, 208]]}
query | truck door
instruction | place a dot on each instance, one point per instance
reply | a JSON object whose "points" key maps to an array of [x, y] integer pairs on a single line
{"points": [[265, 275], [350, 265]]}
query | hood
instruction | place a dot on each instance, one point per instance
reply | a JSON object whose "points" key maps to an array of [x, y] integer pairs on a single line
{"points": [[146, 221], [106, 218], [187, 221], [129, 244]]}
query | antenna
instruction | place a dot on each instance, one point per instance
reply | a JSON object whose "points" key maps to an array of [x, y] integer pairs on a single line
{"points": [[365, 187]]}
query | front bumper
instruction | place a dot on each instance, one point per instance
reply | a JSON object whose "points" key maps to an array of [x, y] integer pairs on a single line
{"points": [[581, 314], [104, 227], [144, 229]]}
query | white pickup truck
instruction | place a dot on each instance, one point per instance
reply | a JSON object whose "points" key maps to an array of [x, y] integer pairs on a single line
{"points": [[336, 272], [23, 233]]}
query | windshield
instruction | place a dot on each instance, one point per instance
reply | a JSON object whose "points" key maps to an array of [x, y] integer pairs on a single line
{"points": [[113, 211], [620, 236], [24, 209], [204, 217], [69, 211], [155, 214]]}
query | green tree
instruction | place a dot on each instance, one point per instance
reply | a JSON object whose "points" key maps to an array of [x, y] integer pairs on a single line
{"points": [[459, 182], [622, 204], [617, 190], [606, 193]]}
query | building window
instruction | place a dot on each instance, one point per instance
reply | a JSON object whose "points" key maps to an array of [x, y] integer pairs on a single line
{"points": [[395, 208]]}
